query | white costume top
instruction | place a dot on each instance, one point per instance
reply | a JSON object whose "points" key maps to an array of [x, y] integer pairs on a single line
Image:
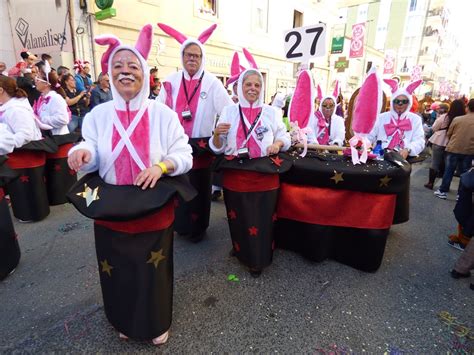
{"points": [[53, 111], [212, 96], [7, 140], [164, 133], [414, 140], [270, 121], [20, 121]]}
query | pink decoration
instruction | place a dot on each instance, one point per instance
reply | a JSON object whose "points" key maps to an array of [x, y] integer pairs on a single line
{"points": [[301, 106], [172, 32], [412, 86], [107, 40], [145, 38], [368, 104], [336, 90], [398, 127], [250, 58], [392, 83], [203, 37], [169, 94], [320, 93]]}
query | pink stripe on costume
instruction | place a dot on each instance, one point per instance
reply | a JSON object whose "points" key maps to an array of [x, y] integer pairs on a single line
{"points": [[251, 115], [126, 170], [182, 105]]}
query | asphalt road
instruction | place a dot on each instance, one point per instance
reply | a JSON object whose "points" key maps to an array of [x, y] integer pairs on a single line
{"points": [[52, 303]]}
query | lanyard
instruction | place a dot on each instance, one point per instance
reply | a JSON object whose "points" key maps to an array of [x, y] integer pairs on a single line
{"points": [[188, 100], [244, 126]]}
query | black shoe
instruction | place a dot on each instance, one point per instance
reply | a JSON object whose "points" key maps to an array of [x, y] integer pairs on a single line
{"points": [[196, 238], [255, 272], [458, 275], [216, 195], [471, 286], [232, 253]]}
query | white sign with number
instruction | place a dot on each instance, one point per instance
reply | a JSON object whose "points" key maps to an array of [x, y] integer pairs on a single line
{"points": [[304, 43]]}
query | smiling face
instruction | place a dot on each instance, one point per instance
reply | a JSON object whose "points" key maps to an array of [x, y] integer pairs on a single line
{"points": [[400, 104], [127, 74], [251, 87], [192, 59]]}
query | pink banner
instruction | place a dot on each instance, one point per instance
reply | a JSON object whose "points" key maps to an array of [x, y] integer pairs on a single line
{"points": [[389, 62], [357, 42]]}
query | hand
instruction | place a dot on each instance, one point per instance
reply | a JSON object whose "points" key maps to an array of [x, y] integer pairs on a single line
{"points": [[148, 177], [404, 153], [222, 128], [78, 158], [273, 149]]}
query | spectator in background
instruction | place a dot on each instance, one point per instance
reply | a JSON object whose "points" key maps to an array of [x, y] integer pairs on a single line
{"points": [[153, 76], [154, 92], [78, 102], [62, 70], [439, 139], [3, 69], [46, 57], [83, 81], [28, 58], [101, 93], [27, 83], [460, 147]]}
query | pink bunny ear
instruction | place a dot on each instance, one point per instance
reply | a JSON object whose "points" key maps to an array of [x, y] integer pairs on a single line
{"points": [[172, 32], [412, 87], [320, 93], [392, 83], [203, 37], [301, 105], [144, 41], [235, 67], [250, 59], [107, 40], [368, 104], [336, 90]]}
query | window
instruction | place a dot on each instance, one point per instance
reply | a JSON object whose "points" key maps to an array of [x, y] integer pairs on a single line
{"points": [[206, 7], [297, 19], [412, 5], [260, 15]]}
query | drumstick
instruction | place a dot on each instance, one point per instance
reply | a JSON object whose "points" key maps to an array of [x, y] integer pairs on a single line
{"points": [[321, 147]]}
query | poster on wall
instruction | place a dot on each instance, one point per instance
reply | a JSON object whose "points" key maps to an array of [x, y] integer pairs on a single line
{"points": [[357, 41], [389, 61], [40, 26]]}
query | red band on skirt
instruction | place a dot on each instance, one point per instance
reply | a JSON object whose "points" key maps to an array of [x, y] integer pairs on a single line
{"points": [[24, 159], [151, 223], [61, 153], [249, 181], [203, 161], [340, 208]]}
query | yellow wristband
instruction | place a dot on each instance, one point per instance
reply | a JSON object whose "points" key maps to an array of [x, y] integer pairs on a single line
{"points": [[163, 167]]}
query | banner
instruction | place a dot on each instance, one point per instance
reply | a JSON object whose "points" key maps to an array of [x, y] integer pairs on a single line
{"points": [[337, 45], [416, 73], [389, 62], [357, 41]]}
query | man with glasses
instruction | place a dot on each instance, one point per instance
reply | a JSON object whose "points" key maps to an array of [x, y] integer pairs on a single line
{"points": [[399, 129], [101, 93], [197, 96]]}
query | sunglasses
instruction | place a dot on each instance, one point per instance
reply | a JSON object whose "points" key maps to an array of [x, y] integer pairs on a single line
{"points": [[327, 106], [400, 102]]}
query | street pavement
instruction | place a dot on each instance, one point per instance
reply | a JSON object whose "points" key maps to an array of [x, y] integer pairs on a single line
{"points": [[52, 303]]}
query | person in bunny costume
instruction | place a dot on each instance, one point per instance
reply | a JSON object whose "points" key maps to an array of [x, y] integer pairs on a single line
{"points": [[132, 142], [329, 127], [399, 129], [197, 97], [250, 129]]}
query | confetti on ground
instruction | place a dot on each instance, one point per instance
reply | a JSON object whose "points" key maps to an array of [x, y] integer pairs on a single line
{"points": [[233, 278], [67, 227], [460, 336]]}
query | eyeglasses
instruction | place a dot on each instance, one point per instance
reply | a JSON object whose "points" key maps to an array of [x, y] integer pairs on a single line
{"points": [[400, 102], [192, 55], [327, 106]]}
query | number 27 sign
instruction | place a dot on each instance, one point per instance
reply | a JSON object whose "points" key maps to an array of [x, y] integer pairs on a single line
{"points": [[304, 43]]}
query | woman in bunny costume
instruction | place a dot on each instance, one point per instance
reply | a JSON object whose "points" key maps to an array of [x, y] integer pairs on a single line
{"points": [[52, 110], [329, 126], [28, 193], [132, 142], [250, 129], [399, 129], [197, 97]]}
